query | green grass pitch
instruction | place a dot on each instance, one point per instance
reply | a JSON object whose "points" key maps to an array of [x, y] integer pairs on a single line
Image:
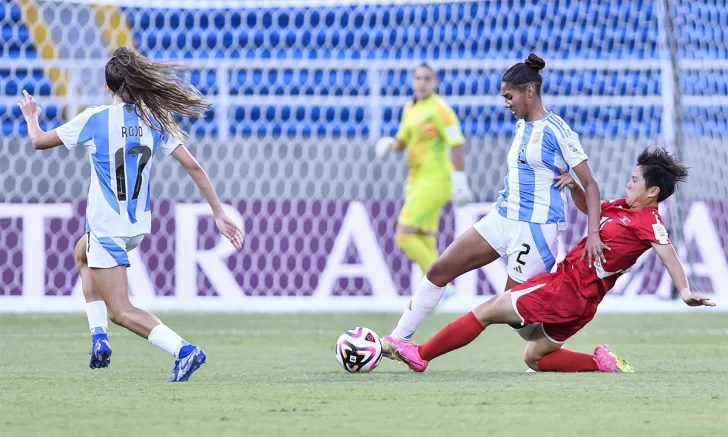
{"points": [[277, 375]]}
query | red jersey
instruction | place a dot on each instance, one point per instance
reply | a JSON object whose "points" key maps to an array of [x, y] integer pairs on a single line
{"points": [[629, 233]]}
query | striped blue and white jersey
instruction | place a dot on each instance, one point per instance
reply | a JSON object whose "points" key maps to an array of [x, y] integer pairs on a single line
{"points": [[540, 151], [120, 147]]}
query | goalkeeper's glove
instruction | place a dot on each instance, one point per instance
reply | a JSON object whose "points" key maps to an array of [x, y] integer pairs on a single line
{"points": [[385, 145], [461, 194]]}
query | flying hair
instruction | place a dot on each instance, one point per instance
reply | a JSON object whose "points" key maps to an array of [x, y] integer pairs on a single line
{"points": [[158, 90]]}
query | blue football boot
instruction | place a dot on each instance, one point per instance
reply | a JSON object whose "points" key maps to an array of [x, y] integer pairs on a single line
{"points": [[100, 352], [191, 357]]}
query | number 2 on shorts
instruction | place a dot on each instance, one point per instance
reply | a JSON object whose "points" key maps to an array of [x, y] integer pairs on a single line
{"points": [[525, 251]]}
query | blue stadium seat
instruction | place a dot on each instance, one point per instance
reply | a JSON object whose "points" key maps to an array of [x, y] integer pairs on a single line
{"points": [[13, 36], [366, 32], [473, 30], [15, 43], [12, 119], [34, 81], [356, 32], [304, 82]]}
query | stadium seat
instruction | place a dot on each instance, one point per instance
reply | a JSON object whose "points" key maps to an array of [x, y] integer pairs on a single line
{"points": [[470, 31]]}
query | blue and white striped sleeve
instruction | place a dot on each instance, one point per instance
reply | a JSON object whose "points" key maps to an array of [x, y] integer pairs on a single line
{"points": [[168, 144], [567, 142], [70, 133]]}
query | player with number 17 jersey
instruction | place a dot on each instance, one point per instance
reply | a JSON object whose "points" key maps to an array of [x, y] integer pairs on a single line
{"points": [[120, 148], [121, 140]]}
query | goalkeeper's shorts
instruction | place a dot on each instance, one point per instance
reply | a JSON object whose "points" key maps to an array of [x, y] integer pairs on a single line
{"points": [[423, 204]]}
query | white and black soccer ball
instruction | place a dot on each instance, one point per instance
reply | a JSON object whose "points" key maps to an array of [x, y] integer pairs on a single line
{"points": [[359, 350]]}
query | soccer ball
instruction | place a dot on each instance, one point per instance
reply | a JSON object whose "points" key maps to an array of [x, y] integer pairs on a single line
{"points": [[359, 350]]}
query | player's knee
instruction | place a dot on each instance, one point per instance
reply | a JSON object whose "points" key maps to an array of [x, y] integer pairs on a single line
{"points": [[494, 310], [528, 355], [535, 351], [439, 274], [484, 312], [531, 358], [533, 364]]}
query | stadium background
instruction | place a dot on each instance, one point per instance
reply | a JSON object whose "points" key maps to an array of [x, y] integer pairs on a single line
{"points": [[301, 91]]}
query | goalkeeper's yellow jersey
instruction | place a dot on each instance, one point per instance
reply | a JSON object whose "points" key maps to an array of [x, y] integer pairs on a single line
{"points": [[429, 128]]}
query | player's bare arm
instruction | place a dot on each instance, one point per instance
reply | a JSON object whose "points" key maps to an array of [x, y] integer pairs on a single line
{"points": [[594, 247], [40, 139], [225, 224], [674, 267], [566, 180]]}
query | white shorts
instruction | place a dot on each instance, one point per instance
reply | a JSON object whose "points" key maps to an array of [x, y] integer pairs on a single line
{"points": [[108, 252], [531, 248]]}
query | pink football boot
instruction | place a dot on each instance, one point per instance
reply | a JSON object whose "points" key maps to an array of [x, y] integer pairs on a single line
{"points": [[607, 361], [410, 355], [390, 345]]}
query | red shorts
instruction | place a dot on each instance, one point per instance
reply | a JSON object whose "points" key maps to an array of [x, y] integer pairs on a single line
{"points": [[554, 300]]}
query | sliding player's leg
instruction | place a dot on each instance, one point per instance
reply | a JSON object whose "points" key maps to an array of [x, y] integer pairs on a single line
{"points": [[545, 354], [526, 331], [459, 333], [469, 251], [98, 320], [108, 261], [560, 311], [527, 303]]}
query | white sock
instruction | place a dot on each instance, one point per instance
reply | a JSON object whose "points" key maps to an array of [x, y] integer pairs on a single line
{"points": [[97, 316], [423, 302], [166, 339]]}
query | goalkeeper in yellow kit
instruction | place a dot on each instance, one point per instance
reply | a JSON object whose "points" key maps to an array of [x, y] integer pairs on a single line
{"points": [[430, 131]]}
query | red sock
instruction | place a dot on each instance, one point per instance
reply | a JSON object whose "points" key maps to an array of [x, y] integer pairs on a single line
{"points": [[453, 336], [565, 360]]}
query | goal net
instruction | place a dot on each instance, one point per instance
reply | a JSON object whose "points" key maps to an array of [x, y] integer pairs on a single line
{"points": [[302, 90]]}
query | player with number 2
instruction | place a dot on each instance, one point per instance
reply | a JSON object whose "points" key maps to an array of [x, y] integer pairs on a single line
{"points": [[524, 225], [563, 302]]}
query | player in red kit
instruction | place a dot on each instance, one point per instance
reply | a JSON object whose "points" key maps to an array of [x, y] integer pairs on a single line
{"points": [[563, 302]]}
